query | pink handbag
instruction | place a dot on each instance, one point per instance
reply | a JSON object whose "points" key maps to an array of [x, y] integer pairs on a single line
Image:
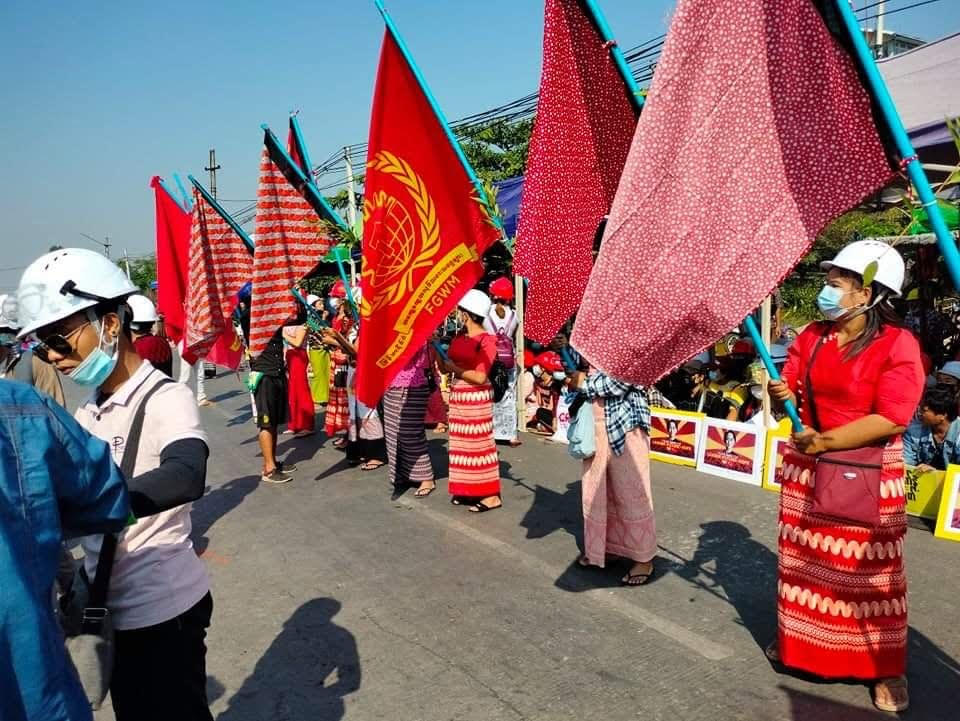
{"points": [[846, 483]]}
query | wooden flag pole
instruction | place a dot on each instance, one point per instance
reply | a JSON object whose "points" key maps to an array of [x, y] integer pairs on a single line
{"points": [[600, 21], [908, 155], [521, 343], [766, 309], [247, 240], [441, 118]]}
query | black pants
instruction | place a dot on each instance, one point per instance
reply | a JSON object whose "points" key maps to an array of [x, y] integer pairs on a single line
{"points": [[160, 672]]}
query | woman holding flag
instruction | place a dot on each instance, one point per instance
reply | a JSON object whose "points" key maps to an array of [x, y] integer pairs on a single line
{"points": [[474, 462], [841, 584]]}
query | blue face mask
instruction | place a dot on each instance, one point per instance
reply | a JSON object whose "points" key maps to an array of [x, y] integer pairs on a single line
{"points": [[713, 375], [96, 367], [9, 340], [829, 302]]}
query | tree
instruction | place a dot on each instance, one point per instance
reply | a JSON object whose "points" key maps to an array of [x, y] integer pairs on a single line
{"points": [[143, 271], [497, 149]]}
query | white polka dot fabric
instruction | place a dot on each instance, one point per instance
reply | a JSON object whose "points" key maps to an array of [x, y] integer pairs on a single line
{"points": [[585, 122], [755, 134]]}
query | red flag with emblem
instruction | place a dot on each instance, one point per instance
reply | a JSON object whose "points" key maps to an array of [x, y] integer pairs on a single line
{"points": [[424, 229], [290, 243], [173, 253], [756, 133], [220, 264], [581, 137]]}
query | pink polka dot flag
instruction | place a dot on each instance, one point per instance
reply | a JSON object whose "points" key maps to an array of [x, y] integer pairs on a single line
{"points": [[755, 134], [585, 121]]}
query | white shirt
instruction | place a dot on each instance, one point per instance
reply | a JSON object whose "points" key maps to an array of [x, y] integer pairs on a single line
{"points": [[156, 573]]}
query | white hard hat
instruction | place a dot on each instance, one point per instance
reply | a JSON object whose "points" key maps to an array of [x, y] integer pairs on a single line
{"points": [[62, 282], [8, 312], [143, 309], [476, 302], [860, 254], [311, 299]]}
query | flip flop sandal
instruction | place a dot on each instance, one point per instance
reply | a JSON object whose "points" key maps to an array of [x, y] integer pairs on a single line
{"points": [[772, 652], [482, 507], [637, 579], [423, 493], [372, 466], [894, 684], [454, 501]]}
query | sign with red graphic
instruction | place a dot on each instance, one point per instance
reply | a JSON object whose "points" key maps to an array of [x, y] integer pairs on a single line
{"points": [[675, 435], [732, 450]]}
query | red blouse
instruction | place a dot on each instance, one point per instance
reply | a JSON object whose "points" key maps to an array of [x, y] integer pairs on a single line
{"points": [[886, 378], [476, 353]]}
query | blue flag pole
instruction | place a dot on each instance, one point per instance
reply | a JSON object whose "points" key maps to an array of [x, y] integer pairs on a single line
{"points": [[304, 154], [187, 200], [600, 21], [768, 363], [247, 240], [904, 147], [441, 118]]}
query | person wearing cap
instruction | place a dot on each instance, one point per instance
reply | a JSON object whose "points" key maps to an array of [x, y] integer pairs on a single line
{"points": [[318, 355], [548, 374], [949, 375], [73, 301], [932, 442], [149, 347], [19, 364], [860, 377], [474, 463], [502, 322], [55, 481]]}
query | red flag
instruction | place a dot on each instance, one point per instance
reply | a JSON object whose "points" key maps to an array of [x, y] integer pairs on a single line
{"points": [[755, 134], [424, 228], [220, 264], [173, 253], [585, 121], [289, 245]]}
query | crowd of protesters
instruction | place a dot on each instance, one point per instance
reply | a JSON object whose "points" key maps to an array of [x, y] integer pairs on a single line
{"points": [[859, 378]]}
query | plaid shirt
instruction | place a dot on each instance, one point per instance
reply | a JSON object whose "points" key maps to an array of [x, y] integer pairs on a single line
{"points": [[625, 407]]}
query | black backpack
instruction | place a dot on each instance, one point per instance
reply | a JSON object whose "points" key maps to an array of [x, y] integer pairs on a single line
{"points": [[499, 377]]}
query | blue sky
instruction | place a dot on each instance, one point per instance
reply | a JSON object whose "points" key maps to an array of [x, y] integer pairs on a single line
{"points": [[99, 96]]}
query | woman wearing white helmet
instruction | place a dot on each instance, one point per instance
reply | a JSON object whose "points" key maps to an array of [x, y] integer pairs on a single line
{"points": [[74, 302], [859, 378], [149, 347], [474, 462]]}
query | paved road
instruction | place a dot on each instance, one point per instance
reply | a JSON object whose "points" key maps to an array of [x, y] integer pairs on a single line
{"points": [[334, 602]]}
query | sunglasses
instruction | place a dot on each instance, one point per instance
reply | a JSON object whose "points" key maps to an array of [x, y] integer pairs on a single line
{"points": [[59, 344]]}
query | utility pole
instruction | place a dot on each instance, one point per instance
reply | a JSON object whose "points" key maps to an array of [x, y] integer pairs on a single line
{"points": [[212, 169], [105, 243], [351, 195], [878, 40]]}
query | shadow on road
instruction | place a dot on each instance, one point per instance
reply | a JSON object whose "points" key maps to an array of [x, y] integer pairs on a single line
{"points": [[216, 504], [305, 674], [745, 575]]}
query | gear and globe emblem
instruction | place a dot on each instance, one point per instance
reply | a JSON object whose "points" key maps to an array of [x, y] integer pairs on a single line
{"points": [[392, 236]]}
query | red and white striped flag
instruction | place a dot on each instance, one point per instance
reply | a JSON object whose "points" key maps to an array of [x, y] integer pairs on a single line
{"points": [[289, 244], [219, 266]]}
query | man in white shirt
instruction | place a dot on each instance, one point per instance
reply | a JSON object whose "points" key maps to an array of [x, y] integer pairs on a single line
{"points": [[73, 301]]}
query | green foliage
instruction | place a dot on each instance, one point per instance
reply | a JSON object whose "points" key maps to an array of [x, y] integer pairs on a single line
{"points": [[143, 271], [497, 150], [800, 289]]}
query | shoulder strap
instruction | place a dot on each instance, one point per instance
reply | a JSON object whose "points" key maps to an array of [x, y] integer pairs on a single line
{"points": [[809, 384], [108, 550]]}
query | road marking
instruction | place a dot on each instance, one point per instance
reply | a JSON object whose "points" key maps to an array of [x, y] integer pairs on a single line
{"points": [[683, 636]]}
